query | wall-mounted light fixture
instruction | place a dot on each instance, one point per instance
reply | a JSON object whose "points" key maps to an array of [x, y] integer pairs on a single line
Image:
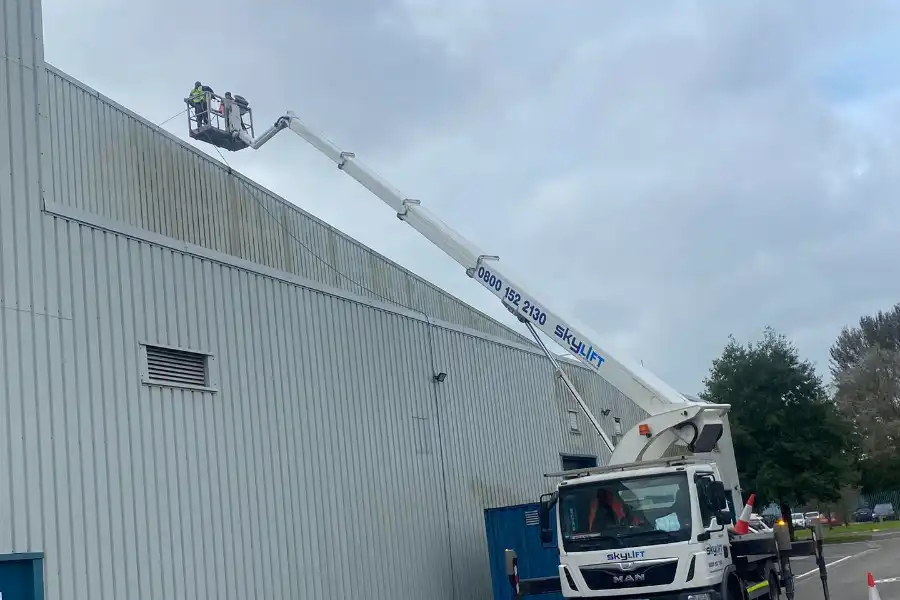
{"points": [[439, 377]]}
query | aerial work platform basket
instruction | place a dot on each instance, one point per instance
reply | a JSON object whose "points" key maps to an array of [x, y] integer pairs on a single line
{"points": [[217, 120]]}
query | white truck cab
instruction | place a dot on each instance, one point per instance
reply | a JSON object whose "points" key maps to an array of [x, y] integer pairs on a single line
{"points": [[643, 528]]}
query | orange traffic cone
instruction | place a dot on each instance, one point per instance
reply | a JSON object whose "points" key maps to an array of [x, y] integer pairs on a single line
{"points": [[873, 591], [743, 522]]}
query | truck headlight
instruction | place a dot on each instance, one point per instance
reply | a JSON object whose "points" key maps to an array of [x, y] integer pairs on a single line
{"points": [[703, 596]]}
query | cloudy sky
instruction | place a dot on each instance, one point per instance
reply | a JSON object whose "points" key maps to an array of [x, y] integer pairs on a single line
{"points": [[668, 172]]}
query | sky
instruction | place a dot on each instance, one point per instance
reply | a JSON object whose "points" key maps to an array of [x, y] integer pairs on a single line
{"points": [[668, 173]]}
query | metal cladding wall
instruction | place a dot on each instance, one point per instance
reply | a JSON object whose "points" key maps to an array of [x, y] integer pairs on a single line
{"points": [[113, 163], [326, 462], [299, 466]]}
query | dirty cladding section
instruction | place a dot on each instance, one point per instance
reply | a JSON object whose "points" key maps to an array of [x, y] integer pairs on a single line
{"points": [[315, 456], [113, 163]]}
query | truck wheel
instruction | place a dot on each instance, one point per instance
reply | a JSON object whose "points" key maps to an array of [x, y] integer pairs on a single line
{"points": [[735, 590]]}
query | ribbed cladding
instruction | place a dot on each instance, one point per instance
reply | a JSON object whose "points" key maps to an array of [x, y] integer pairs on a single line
{"points": [[314, 472], [504, 423], [31, 309], [168, 365], [110, 162]]}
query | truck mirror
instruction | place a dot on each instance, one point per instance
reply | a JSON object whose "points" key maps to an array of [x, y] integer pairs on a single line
{"points": [[546, 535], [544, 518], [547, 502], [718, 492], [723, 517]]}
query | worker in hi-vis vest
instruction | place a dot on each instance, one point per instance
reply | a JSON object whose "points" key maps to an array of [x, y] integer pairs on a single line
{"points": [[198, 101]]}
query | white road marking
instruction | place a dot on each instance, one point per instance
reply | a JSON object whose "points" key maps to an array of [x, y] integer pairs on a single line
{"points": [[888, 580], [840, 560]]}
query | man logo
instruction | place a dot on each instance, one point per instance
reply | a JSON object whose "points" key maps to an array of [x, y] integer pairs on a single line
{"points": [[626, 566], [636, 578]]}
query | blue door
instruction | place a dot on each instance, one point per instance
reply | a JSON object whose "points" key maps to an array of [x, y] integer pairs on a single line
{"points": [[21, 578], [518, 528]]}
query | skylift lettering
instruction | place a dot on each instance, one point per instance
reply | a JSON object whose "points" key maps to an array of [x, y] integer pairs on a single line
{"points": [[630, 555], [578, 347], [514, 299]]}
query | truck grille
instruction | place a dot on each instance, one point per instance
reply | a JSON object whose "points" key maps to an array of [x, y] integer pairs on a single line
{"points": [[636, 574]]}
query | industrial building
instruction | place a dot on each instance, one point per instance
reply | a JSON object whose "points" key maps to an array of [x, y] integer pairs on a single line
{"points": [[208, 393]]}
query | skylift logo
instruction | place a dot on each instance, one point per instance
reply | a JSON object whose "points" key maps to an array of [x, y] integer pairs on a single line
{"points": [[578, 347], [630, 555]]}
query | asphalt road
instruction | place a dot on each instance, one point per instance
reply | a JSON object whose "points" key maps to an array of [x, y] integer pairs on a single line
{"points": [[848, 565]]}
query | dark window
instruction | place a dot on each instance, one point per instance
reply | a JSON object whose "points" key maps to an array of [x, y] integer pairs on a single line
{"points": [[575, 461], [707, 500]]}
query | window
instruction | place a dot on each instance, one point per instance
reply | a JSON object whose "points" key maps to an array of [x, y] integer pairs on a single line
{"points": [[570, 462], [631, 511], [175, 367], [706, 500]]}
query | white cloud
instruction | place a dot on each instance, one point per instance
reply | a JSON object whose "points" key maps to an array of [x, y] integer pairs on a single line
{"points": [[668, 172]]}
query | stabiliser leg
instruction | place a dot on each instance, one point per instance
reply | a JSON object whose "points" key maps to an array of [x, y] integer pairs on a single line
{"points": [[783, 546], [820, 559]]}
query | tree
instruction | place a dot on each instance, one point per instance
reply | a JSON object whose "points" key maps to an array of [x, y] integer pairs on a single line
{"points": [[865, 365], [791, 443], [881, 331], [868, 394]]}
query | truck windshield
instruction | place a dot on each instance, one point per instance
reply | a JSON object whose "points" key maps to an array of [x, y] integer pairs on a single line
{"points": [[620, 513]]}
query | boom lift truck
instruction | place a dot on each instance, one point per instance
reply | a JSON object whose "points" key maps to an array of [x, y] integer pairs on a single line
{"points": [[672, 537]]}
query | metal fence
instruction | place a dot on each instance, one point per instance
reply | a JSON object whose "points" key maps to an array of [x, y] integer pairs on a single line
{"points": [[888, 497], [844, 509]]}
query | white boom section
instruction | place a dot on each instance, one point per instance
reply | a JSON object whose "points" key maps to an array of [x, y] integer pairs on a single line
{"points": [[670, 412], [634, 381]]}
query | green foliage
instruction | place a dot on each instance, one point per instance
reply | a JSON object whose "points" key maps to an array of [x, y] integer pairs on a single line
{"points": [[881, 331], [879, 473], [865, 364], [790, 441]]}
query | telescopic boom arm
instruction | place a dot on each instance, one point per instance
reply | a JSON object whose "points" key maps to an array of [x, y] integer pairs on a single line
{"points": [[632, 380], [672, 415]]}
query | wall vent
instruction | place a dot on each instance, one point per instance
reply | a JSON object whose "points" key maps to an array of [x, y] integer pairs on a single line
{"points": [[532, 518], [172, 366], [573, 422]]}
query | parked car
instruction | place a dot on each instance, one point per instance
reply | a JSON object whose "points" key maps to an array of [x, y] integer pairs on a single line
{"points": [[863, 515], [798, 520], [884, 512], [810, 518]]}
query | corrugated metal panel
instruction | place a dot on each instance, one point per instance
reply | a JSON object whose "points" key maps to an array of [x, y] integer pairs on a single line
{"points": [[327, 440], [504, 422], [318, 450], [111, 162], [31, 310]]}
